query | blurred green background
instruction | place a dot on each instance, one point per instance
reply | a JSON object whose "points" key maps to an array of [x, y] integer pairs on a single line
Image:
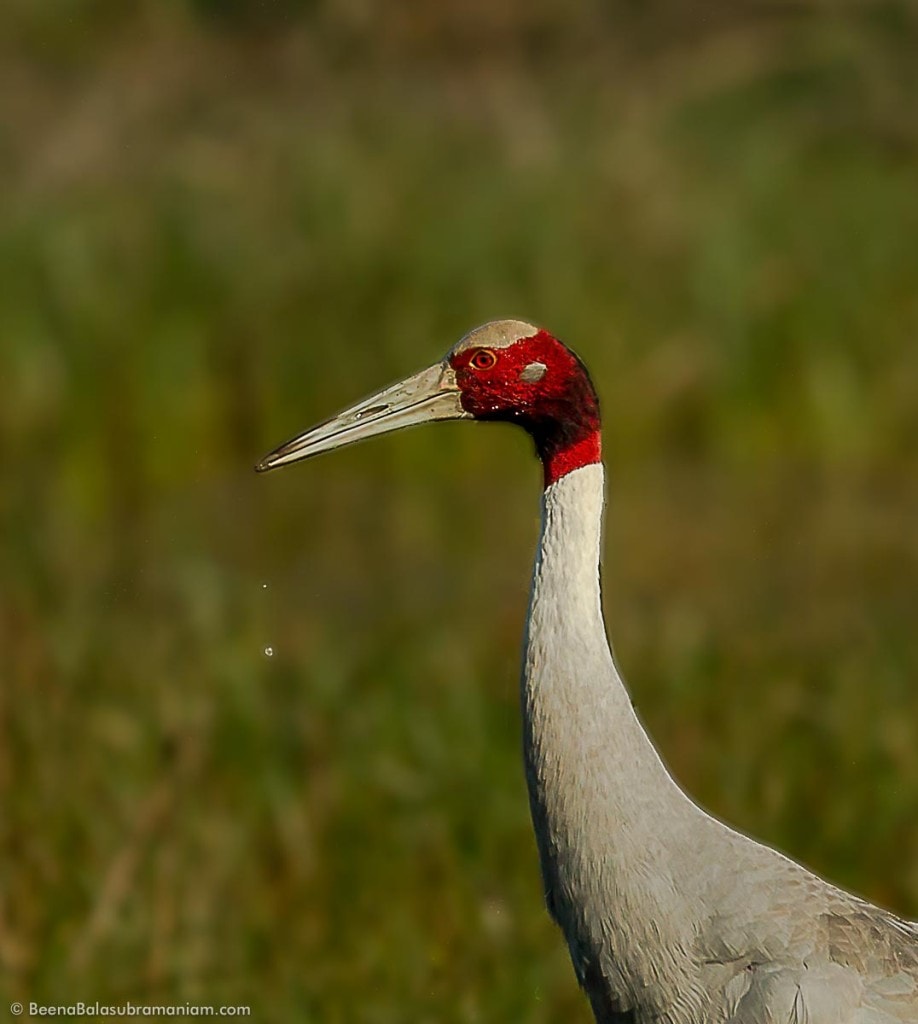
{"points": [[220, 222]]}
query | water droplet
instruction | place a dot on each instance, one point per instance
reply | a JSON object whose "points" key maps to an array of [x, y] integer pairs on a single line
{"points": [[269, 651]]}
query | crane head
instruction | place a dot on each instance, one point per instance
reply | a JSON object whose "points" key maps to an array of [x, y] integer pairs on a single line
{"points": [[505, 370]]}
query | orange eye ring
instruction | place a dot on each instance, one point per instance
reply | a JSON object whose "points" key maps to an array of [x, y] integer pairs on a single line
{"points": [[483, 359]]}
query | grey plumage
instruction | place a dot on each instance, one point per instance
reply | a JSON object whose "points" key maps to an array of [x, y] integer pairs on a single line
{"points": [[670, 916]]}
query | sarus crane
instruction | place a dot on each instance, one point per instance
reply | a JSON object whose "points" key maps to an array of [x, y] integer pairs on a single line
{"points": [[670, 916]]}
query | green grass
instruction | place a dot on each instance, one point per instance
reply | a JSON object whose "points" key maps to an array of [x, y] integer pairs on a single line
{"points": [[215, 240]]}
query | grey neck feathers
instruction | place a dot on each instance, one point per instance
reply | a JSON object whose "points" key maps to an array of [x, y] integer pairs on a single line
{"points": [[572, 691], [607, 815]]}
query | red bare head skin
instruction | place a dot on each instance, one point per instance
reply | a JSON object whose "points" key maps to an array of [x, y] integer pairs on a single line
{"points": [[537, 382]]}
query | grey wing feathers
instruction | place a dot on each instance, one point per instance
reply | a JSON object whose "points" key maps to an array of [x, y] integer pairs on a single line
{"points": [[787, 947], [862, 970], [883, 951], [869, 939]]}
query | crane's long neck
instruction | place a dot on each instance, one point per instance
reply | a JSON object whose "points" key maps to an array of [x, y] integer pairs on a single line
{"points": [[605, 810]]}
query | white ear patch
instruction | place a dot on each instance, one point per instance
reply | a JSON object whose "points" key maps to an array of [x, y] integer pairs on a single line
{"points": [[533, 372]]}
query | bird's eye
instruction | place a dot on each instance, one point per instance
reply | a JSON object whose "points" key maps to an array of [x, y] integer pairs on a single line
{"points": [[483, 359]]}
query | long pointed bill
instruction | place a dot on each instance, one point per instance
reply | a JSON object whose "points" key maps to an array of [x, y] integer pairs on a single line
{"points": [[429, 395]]}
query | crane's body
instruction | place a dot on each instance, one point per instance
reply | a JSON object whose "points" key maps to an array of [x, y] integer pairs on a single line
{"points": [[670, 917]]}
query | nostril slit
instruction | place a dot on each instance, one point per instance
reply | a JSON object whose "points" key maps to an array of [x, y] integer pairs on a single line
{"points": [[371, 411]]}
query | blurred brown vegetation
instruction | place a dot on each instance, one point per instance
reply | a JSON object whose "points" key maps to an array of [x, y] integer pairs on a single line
{"points": [[223, 220]]}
